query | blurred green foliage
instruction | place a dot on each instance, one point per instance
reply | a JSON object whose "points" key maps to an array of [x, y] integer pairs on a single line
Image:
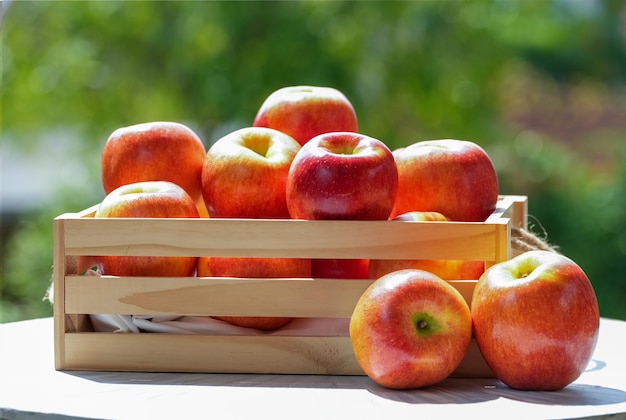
{"points": [[539, 84]]}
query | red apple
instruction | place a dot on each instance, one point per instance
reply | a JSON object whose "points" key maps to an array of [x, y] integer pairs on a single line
{"points": [[410, 329], [254, 268], [346, 176], [340, 269], [446, 269], [452, 177], [147, 199], [342, 175], [304, 112], [154, 151], [244, 174], [536, 320]]}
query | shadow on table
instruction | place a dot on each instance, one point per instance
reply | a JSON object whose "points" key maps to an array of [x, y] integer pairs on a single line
{"points": [[449, 391]]}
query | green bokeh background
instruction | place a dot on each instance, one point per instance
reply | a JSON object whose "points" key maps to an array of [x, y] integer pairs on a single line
{"points": [[541, 85]]}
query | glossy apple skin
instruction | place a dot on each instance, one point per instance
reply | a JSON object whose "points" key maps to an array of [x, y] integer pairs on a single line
{"points": [[244, 174], [304, 112], [148, 199], [388, 344], [536, 320], [254, 268], [453, 177], [342, 176], [154, 151], [446, 269]]}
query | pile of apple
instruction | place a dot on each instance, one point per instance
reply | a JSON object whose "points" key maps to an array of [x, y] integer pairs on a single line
{"points": [[535, 317]]}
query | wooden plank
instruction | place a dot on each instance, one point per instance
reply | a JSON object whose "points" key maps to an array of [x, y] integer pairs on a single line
{"points": [[306, 298], [280, 238], [303, 298], [228, 354], [210, 353]]}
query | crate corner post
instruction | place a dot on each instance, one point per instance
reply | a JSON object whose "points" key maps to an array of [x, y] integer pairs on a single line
{"points": [[59, 269]]}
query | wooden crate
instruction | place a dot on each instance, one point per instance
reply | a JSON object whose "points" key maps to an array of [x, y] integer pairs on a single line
{"points": [[78, 347]]}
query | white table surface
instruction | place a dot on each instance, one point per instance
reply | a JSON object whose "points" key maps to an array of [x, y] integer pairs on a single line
{"points": [[30, 388]]}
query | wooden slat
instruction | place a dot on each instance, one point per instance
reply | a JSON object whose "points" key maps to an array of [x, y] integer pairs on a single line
{"points": [[280, 238], [228, 354], [303, 298], [209, 353]]}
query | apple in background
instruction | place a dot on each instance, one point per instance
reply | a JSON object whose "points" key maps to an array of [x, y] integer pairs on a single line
{"points": [[452, 177], [254, 268], [147, 200], [536, 320], [410, 329], [154, 151], [304, 112], [342, 176], [446, 269], [244, 174]]}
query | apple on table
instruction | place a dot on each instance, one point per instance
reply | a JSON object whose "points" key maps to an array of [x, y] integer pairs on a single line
{"points": [[410, 329], [342, 176], [154, 151], [453, 177], [149, 199], [446, 269], [536, 320], [304, 112]]}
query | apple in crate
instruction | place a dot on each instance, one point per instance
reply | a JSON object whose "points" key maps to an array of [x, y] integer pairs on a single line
{"points": [[154, 151], [452, 177], [244, 174], [536, 320], [304, 112], [446, 269], [254, 268], [342, 176], [410, 329], [149, 199]]}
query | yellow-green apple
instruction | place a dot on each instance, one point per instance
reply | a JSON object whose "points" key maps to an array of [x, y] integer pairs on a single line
{"points": [[254, 268], [446, 269], [452, 177], [304, 112], [410, 329], [536, 320], [154, 151], [149, 199], [342, 175], [244, 174]]}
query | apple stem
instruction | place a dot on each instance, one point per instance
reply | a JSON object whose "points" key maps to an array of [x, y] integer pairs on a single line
{"points": [[422, 324]]}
